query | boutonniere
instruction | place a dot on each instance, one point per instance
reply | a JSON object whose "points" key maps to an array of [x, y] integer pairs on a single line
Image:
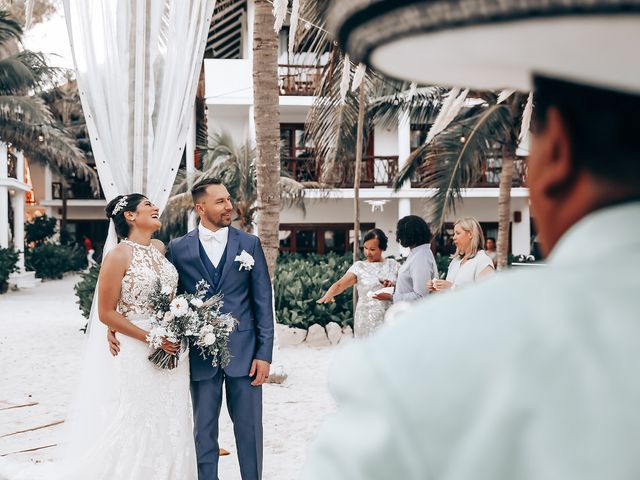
{"points": [[246, 260]]}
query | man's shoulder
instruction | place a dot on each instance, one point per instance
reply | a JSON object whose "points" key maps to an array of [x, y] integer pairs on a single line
{"points": [[179, 240], [245, 237]]}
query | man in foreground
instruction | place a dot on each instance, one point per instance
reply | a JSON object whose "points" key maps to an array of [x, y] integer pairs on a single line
{"points": [[533, 374]]}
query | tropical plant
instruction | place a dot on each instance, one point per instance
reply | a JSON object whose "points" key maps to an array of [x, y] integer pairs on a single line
{"points": [[301, 280], [40, 229], [50, 260], [235, 165], [25, 120], [8, 265], [85, 289], [454, 158]]}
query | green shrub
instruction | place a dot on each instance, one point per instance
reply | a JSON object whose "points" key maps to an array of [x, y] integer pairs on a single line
{"points": [[443, 262], [300, 281], [52, 261], [85, 289], [8, 265], [40, 229]]}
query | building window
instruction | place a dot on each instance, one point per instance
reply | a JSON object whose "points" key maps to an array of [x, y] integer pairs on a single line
{"points": [[319, 238]]}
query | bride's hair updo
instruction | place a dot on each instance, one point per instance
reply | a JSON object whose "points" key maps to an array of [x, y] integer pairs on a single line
{"points": [[115, 211]]}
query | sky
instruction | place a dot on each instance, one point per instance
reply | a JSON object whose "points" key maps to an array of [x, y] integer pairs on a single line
{"points": [[50, 37]]}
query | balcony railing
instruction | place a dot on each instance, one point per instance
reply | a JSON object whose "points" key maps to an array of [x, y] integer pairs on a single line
{"points": [[490, 175], [376, 171], [301, 80]]}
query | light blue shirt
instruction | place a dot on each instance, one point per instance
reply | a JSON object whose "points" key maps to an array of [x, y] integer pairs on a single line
{"points": [[417, 270], [529, 375]]}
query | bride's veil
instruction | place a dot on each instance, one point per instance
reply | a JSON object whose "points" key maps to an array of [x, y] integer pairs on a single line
{"points": [[94, 401]]}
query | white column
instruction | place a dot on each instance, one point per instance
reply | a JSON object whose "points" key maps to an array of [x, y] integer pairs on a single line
{"points": [[18, 226], [404, 150], [4, 198], [521, 232], [48, 178], [18, 212], [404, 141], [248, 44]]}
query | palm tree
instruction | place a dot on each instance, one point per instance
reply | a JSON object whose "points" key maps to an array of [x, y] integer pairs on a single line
{"points": [[25, 120], [235, 165], [267, 123], [454, 159]]}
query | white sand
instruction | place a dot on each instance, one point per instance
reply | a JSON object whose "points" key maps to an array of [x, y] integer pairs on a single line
{"points": [[40, 347]]}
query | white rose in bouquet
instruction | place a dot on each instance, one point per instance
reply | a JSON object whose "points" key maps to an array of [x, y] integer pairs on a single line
{"points": [[209, 339], [168, 317], [197, 302], [179, 307]]}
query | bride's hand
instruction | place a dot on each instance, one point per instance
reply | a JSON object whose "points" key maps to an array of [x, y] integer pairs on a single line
{"points": [[170, 347]]}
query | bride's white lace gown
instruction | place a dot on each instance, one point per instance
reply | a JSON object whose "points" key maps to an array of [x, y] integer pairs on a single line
{"points": [[151, 435]]}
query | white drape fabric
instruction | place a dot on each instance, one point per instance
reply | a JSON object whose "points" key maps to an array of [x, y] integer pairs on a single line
{"points": [[137, 65]]}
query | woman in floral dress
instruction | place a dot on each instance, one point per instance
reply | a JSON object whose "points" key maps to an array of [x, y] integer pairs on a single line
{"points": [[368, 276]]}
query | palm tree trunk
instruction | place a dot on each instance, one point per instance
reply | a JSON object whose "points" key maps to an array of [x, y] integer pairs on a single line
{"points": [[356, 185], [267, 122], [356, 176], [504, 206]]}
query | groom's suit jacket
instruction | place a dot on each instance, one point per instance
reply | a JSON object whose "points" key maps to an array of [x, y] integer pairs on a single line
{"points": [[247, 295]]}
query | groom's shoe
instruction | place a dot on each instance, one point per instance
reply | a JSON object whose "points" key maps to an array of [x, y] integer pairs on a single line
{"points": [[223, 452]]}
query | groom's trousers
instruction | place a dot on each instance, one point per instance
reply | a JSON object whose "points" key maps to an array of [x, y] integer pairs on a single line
{"points": [[244, 403]]}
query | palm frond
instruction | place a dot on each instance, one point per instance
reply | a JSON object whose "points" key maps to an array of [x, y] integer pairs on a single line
{"points": [[26, 109], [234, 164], [10, 29], [454, 159]]}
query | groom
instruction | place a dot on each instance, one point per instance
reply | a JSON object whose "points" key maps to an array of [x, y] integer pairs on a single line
{"points": [[223, 256]]}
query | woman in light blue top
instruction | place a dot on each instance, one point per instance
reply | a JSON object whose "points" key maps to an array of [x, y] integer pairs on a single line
{"points": [[420, 266]]}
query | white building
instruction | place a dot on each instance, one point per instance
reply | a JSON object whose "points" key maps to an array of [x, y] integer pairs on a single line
{"points": [[328, 222]]}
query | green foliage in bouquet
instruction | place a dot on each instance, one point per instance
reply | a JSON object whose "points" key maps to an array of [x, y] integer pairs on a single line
{"points": [[40, 229], [301, 280], [8, 265], [85, 289], [52, 261]]}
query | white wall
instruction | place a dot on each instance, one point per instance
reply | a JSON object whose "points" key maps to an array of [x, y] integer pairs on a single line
{"points": [[385, 142], [228, 81], [230, 119]]}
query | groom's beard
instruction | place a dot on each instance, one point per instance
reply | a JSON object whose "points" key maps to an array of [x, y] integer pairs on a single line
{"points": [[220, 221]]}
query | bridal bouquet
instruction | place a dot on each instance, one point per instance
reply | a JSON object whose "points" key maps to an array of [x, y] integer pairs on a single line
{"points": [[189, 317]]}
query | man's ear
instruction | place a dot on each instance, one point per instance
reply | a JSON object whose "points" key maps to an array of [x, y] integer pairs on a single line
{"points": [[560, 169]]}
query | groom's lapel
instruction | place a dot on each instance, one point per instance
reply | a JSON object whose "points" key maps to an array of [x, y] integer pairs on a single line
{"points": [[233, 242], [194, 254]]}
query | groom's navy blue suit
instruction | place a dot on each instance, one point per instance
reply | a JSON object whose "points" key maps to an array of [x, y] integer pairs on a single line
{"points": [[247, 295]]}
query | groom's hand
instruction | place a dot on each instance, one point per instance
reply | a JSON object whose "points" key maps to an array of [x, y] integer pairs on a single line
{"points": [[260, 369], [114, 344]]}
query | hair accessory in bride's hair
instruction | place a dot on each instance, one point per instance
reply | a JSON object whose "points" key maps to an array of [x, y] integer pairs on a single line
{"points": [[119, 206]]}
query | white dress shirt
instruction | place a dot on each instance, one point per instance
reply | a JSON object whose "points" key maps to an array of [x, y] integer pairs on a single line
{"points": [[530, 375], [214, 243]]}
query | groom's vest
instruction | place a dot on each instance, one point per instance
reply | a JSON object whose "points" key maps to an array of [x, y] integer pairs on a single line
{"points": [[214, 273]]}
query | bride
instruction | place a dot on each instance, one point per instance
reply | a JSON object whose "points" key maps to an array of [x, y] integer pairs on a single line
{"points": [[149, 430]]}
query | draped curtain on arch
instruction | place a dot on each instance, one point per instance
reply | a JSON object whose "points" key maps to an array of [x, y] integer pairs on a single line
{"points": [[137, 65]]}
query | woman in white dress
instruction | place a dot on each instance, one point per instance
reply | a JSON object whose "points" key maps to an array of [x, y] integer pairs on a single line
{"points": [[150, 433], [369, 276], [470, 262]]}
